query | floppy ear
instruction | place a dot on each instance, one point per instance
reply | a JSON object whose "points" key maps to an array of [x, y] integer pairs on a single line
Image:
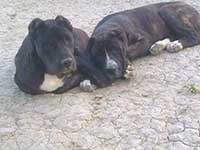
{"points": [[29, 68], [90, 44], [64, 22], [34, 24]]}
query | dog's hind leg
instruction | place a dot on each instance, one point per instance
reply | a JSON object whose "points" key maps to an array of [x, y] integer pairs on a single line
{"points": [[184, 23], [138, 49]]}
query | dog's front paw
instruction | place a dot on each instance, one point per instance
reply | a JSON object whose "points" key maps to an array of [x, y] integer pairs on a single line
{"points": [[87, 86], [60, 90], [158, 47], [174, 47], [129, 72]]}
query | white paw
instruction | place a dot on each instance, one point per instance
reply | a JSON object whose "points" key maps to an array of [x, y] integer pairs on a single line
{"points": [[158, 47], [129, 72], [86, 86], [173, 47]]}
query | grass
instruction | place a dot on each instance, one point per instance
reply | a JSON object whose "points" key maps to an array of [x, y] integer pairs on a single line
{"points": [[192, 88]]}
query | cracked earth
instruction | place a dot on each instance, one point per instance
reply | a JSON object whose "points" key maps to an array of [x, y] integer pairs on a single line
{"points": [[158, 109]]}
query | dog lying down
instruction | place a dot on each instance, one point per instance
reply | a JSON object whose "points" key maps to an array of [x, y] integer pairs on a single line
{"points": [[52, 57], [124, 36]]}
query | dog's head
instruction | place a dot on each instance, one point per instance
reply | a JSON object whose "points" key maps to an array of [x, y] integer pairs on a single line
{"points": [[107, 49], [53, 42]]}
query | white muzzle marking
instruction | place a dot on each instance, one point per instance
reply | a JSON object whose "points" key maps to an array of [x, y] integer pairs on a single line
{"points": [[110, 63]]}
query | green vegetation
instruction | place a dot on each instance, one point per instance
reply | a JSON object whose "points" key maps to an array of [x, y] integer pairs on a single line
{"points": [[192, 88]]}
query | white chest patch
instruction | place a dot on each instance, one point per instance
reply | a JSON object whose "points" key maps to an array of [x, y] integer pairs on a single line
{"points": [[51, 83]]}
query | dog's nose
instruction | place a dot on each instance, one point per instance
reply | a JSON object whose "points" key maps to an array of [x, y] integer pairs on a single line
{"points": [[111, 65], [67, 62]]}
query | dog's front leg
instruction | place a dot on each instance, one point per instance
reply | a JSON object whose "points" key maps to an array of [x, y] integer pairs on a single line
{"points": [[87, 86], [69, 83], [138, 49]]}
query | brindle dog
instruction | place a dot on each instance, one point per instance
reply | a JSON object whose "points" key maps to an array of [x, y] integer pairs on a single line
{"points": [[127, 35], [52, 57]]}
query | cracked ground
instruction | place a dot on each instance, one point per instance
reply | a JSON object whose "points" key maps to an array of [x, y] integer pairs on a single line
{"points": [[158, 109]]}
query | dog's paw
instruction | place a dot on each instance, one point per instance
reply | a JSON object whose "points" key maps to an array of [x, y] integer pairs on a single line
{"points": [[129, 72], [174, 47], [158, 47], [86, 86], [60, 90]]}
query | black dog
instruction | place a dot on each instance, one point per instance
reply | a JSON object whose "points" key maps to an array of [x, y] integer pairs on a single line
{"points": [[48, 58], [130, 34]]}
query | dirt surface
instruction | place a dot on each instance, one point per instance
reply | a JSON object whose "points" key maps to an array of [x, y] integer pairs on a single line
{"points": [[158, 109]]}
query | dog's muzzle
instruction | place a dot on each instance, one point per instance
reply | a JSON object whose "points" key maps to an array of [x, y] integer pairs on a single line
{"points": [[112, 66], [68, 67]]}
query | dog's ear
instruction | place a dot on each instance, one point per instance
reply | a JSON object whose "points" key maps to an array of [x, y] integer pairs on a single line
{"points": [[34, 24], [90, 44], [117, 33], [64, 22]]}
